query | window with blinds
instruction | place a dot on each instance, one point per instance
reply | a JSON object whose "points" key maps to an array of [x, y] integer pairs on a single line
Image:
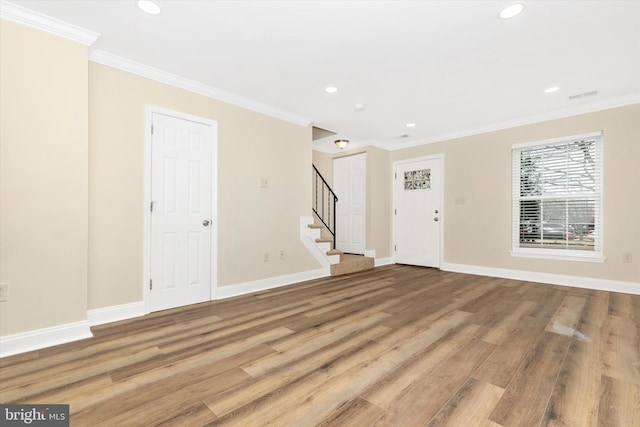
{"points": [[557, 198]]}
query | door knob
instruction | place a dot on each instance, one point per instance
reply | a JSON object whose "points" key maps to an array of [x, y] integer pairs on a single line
{"points": [[206, 222]]}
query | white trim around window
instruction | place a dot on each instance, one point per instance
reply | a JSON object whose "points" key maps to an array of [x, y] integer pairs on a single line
{"points": [[557, 198]]}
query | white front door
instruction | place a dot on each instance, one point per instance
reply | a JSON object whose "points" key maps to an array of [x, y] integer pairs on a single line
{"points": [[349, 179], [181, 212], [417, 196]]}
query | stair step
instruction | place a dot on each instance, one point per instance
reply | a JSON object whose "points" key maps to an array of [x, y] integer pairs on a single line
{"points": [[335, 252], [324, 239], [315, 226], [352, 264]]}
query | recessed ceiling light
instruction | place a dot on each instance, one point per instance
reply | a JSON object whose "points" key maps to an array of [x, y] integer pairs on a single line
{"points": [[551, 89], [511, 11], [331, 89], [149, 7], [358, 107], [411, 125]]}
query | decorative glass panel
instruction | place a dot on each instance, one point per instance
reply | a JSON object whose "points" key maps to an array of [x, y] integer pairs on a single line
{"points": [[417, 180]]}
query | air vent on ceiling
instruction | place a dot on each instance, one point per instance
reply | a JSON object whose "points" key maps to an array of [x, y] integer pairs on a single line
{"points": [[582, 95]]}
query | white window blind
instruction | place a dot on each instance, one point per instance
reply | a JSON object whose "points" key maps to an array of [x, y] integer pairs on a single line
{"points": [[557, 198]]}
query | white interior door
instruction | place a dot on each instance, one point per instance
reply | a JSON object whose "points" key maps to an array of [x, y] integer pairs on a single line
{"points": [[417, 195], [349, 181], [181, 216]]}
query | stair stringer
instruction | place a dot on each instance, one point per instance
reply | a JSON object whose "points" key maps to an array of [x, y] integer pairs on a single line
{"points": [[319, 250]]}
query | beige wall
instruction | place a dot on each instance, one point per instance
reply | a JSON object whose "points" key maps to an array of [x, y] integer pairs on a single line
{"points": [[43, 179], [72, 183], [379, 196], [251, 220], [478, 169], [324, 163], [379, 185], [72, 186]]}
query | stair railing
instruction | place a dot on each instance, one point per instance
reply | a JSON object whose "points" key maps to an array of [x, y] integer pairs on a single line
{"points": [[324, 205]]}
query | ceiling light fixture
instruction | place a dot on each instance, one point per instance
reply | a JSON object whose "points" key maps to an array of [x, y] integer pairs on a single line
{"points": [[147, 6], [511, 11], [551, 89], [331, 89], [358, 107], [411, 125], [341, 143]]}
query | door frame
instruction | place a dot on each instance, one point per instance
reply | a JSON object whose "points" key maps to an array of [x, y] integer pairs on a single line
{"points": [[146, 270], [440, 158]]}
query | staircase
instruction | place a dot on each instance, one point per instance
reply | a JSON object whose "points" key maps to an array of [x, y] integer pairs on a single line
{"points": [[339, 262], [319, 234]]}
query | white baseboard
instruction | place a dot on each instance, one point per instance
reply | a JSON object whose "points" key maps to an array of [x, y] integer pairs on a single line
{"points": [[552, 279], [114, 313], [269, 283], [383, 261], [46, 337]]}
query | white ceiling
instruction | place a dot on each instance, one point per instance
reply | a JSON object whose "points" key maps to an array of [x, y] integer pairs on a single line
{"points": [[451, 67]]}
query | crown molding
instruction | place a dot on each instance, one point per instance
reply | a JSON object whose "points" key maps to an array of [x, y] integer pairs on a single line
{"points": [[20, 15], [124, 64], [551, 115]]}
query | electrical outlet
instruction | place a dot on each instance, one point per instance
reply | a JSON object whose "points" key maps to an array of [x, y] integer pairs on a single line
{"points": [[626, 257], [266, 257], [4, 291]]}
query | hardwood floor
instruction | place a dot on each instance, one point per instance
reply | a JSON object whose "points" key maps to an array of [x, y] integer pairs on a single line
{"points": [[393, 346]]}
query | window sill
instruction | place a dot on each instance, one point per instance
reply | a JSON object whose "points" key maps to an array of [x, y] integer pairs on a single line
{"points": [[558, 255]]}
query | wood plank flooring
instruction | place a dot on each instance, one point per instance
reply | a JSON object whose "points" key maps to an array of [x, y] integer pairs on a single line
{"points": [[393, 346]]}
